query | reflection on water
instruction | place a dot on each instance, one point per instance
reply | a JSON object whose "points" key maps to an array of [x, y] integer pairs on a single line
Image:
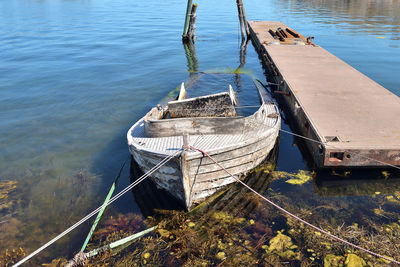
{"points": [[380, 18], [190, 52]]}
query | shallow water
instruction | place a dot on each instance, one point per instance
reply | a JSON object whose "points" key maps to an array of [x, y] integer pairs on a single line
{"points": [[74, 75]]}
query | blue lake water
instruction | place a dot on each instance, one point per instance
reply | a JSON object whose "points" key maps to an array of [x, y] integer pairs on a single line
{"points": [[75, 75]]}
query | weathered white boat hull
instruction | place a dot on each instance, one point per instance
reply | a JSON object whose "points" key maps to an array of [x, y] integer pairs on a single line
{"points": [[203, 178], [191, 176]]}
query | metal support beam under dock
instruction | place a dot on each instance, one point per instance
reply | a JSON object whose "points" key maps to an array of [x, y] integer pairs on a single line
{"points": [[355, 120]]}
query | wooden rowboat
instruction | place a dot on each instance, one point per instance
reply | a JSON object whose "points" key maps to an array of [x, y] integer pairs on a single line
{"points": [[209, 123]]}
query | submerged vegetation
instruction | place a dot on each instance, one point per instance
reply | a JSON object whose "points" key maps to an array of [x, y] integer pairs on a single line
{"points": [[6, 189], [299, 178], [236, 228], [233, 227], [33, 208], [265, 238]]}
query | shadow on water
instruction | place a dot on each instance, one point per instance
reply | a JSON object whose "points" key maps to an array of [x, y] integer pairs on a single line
{"points": [[357, 182], [238, 200], [147, 196]]}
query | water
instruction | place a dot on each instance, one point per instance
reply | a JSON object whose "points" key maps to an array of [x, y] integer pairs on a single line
{"points": [[74, 75]]}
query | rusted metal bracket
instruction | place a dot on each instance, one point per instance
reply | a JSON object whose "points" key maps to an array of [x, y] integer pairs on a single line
{"points": [[271, 64], [281, 93]]}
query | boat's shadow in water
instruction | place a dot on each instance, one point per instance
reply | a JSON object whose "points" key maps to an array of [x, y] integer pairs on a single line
{"points": [[357, 182], [234, 199]]}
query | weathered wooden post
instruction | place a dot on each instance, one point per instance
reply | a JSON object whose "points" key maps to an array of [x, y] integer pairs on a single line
{"points": [[189, 19], [192, 22], [244, 27], [189, 28], [239, 3]]}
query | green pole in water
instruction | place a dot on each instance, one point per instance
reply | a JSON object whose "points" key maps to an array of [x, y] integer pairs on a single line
{"points": [[188, 11], [102, 210], [120, 242]]}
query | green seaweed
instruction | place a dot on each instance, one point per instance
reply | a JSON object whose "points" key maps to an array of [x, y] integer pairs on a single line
{"points": [[283, 246], [236, 228], [352, 260], [11, 256], [331, 260], [6, 189], [299, 178]]}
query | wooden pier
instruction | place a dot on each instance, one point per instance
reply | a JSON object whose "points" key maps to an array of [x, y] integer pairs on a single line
{"points": [[355, 120]]}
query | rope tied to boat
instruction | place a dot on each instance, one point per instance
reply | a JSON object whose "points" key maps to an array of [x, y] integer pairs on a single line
{"points": [[289, 213], [78, 260]]}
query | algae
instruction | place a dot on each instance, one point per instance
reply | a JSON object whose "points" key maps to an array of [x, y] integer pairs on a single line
{"points": [[331, 260], [11, 256], [352, 260], [283, 246], [44, 204], [6, 189], [299, 178], [237, 228], [218, 237], [56, 263]]}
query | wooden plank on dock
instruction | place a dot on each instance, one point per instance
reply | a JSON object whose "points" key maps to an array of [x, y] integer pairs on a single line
{"points": [[356, 120]]}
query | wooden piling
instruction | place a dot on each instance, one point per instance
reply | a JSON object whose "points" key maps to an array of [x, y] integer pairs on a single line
{"points": [[187, 19], [240, 14], [192, 22], [244, 27]]}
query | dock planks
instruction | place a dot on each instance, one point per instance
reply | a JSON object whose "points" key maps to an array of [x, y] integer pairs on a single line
{"points": [[356, 120]]}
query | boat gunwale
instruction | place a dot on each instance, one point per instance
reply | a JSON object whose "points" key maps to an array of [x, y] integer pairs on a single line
{"points": [[195, 154], [264, 101]]}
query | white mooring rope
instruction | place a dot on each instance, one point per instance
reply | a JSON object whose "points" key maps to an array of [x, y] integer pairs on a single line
{"points": [[129, 187], [291, 214]]}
